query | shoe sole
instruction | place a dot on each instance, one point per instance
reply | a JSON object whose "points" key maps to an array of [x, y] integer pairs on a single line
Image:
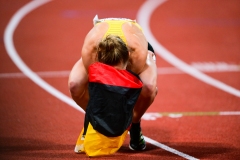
{"points": [[138, 149]]}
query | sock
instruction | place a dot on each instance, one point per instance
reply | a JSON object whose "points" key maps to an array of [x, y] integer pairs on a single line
{"points": [[135, 125]]}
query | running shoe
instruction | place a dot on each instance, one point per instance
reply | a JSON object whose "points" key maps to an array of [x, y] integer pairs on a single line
{"points": [[137, 141]]}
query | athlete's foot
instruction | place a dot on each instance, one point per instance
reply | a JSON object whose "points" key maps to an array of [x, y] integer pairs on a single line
{"points": [[137, 141]]}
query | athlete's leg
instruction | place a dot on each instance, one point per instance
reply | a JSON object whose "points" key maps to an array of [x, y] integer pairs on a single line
{"points": [[148, 93], [149, 90], [78, 84]]}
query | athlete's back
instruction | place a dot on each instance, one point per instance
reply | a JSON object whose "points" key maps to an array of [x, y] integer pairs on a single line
{"points": [[129, 31]]}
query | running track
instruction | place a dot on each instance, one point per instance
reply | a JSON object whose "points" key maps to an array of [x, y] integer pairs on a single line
{"points": [[196, 114]]}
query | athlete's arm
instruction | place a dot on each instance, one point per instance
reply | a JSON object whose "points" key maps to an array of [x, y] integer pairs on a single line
{"points": [[89, 48], [138, 57], [91, 41], [137, 45]]}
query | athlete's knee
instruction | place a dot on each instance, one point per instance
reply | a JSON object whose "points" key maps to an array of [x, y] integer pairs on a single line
{"points": [[149, 90], [156, 91], [74, 88]]}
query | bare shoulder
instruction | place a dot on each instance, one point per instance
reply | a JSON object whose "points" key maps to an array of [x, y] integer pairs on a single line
{"points": [[89, 48], [96, 33], [134, 34], [137, 45]]}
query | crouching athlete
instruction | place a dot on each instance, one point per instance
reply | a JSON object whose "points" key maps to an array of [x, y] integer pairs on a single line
{"points": [[141, 62]]}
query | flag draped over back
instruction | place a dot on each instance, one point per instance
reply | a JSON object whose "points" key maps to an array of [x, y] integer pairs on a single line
{"points": [[113, 94]]}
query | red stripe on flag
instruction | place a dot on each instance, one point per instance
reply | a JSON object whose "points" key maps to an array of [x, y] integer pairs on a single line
{"points": [[105, 74]]}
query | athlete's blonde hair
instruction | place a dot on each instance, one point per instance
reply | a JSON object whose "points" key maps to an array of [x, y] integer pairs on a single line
{"points": [[112, 51]]}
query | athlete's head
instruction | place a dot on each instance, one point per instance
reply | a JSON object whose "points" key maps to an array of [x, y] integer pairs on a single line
{"points": [[113, 51]]}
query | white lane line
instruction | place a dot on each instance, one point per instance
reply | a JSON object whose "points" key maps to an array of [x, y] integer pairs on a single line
{"points": [[8, 41], [209, 67], [143, 17], [47, 74], [229, 113], [152, 116], [174, 151]]}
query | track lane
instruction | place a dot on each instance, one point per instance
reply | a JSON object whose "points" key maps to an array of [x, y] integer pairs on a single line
{"points": [[156, 129]]}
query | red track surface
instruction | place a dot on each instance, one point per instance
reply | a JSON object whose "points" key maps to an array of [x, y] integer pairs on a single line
{"points": [[36, 125]]}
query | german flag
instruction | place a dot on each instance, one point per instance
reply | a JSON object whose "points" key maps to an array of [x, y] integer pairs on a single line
{"points": [[113, 94]]}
